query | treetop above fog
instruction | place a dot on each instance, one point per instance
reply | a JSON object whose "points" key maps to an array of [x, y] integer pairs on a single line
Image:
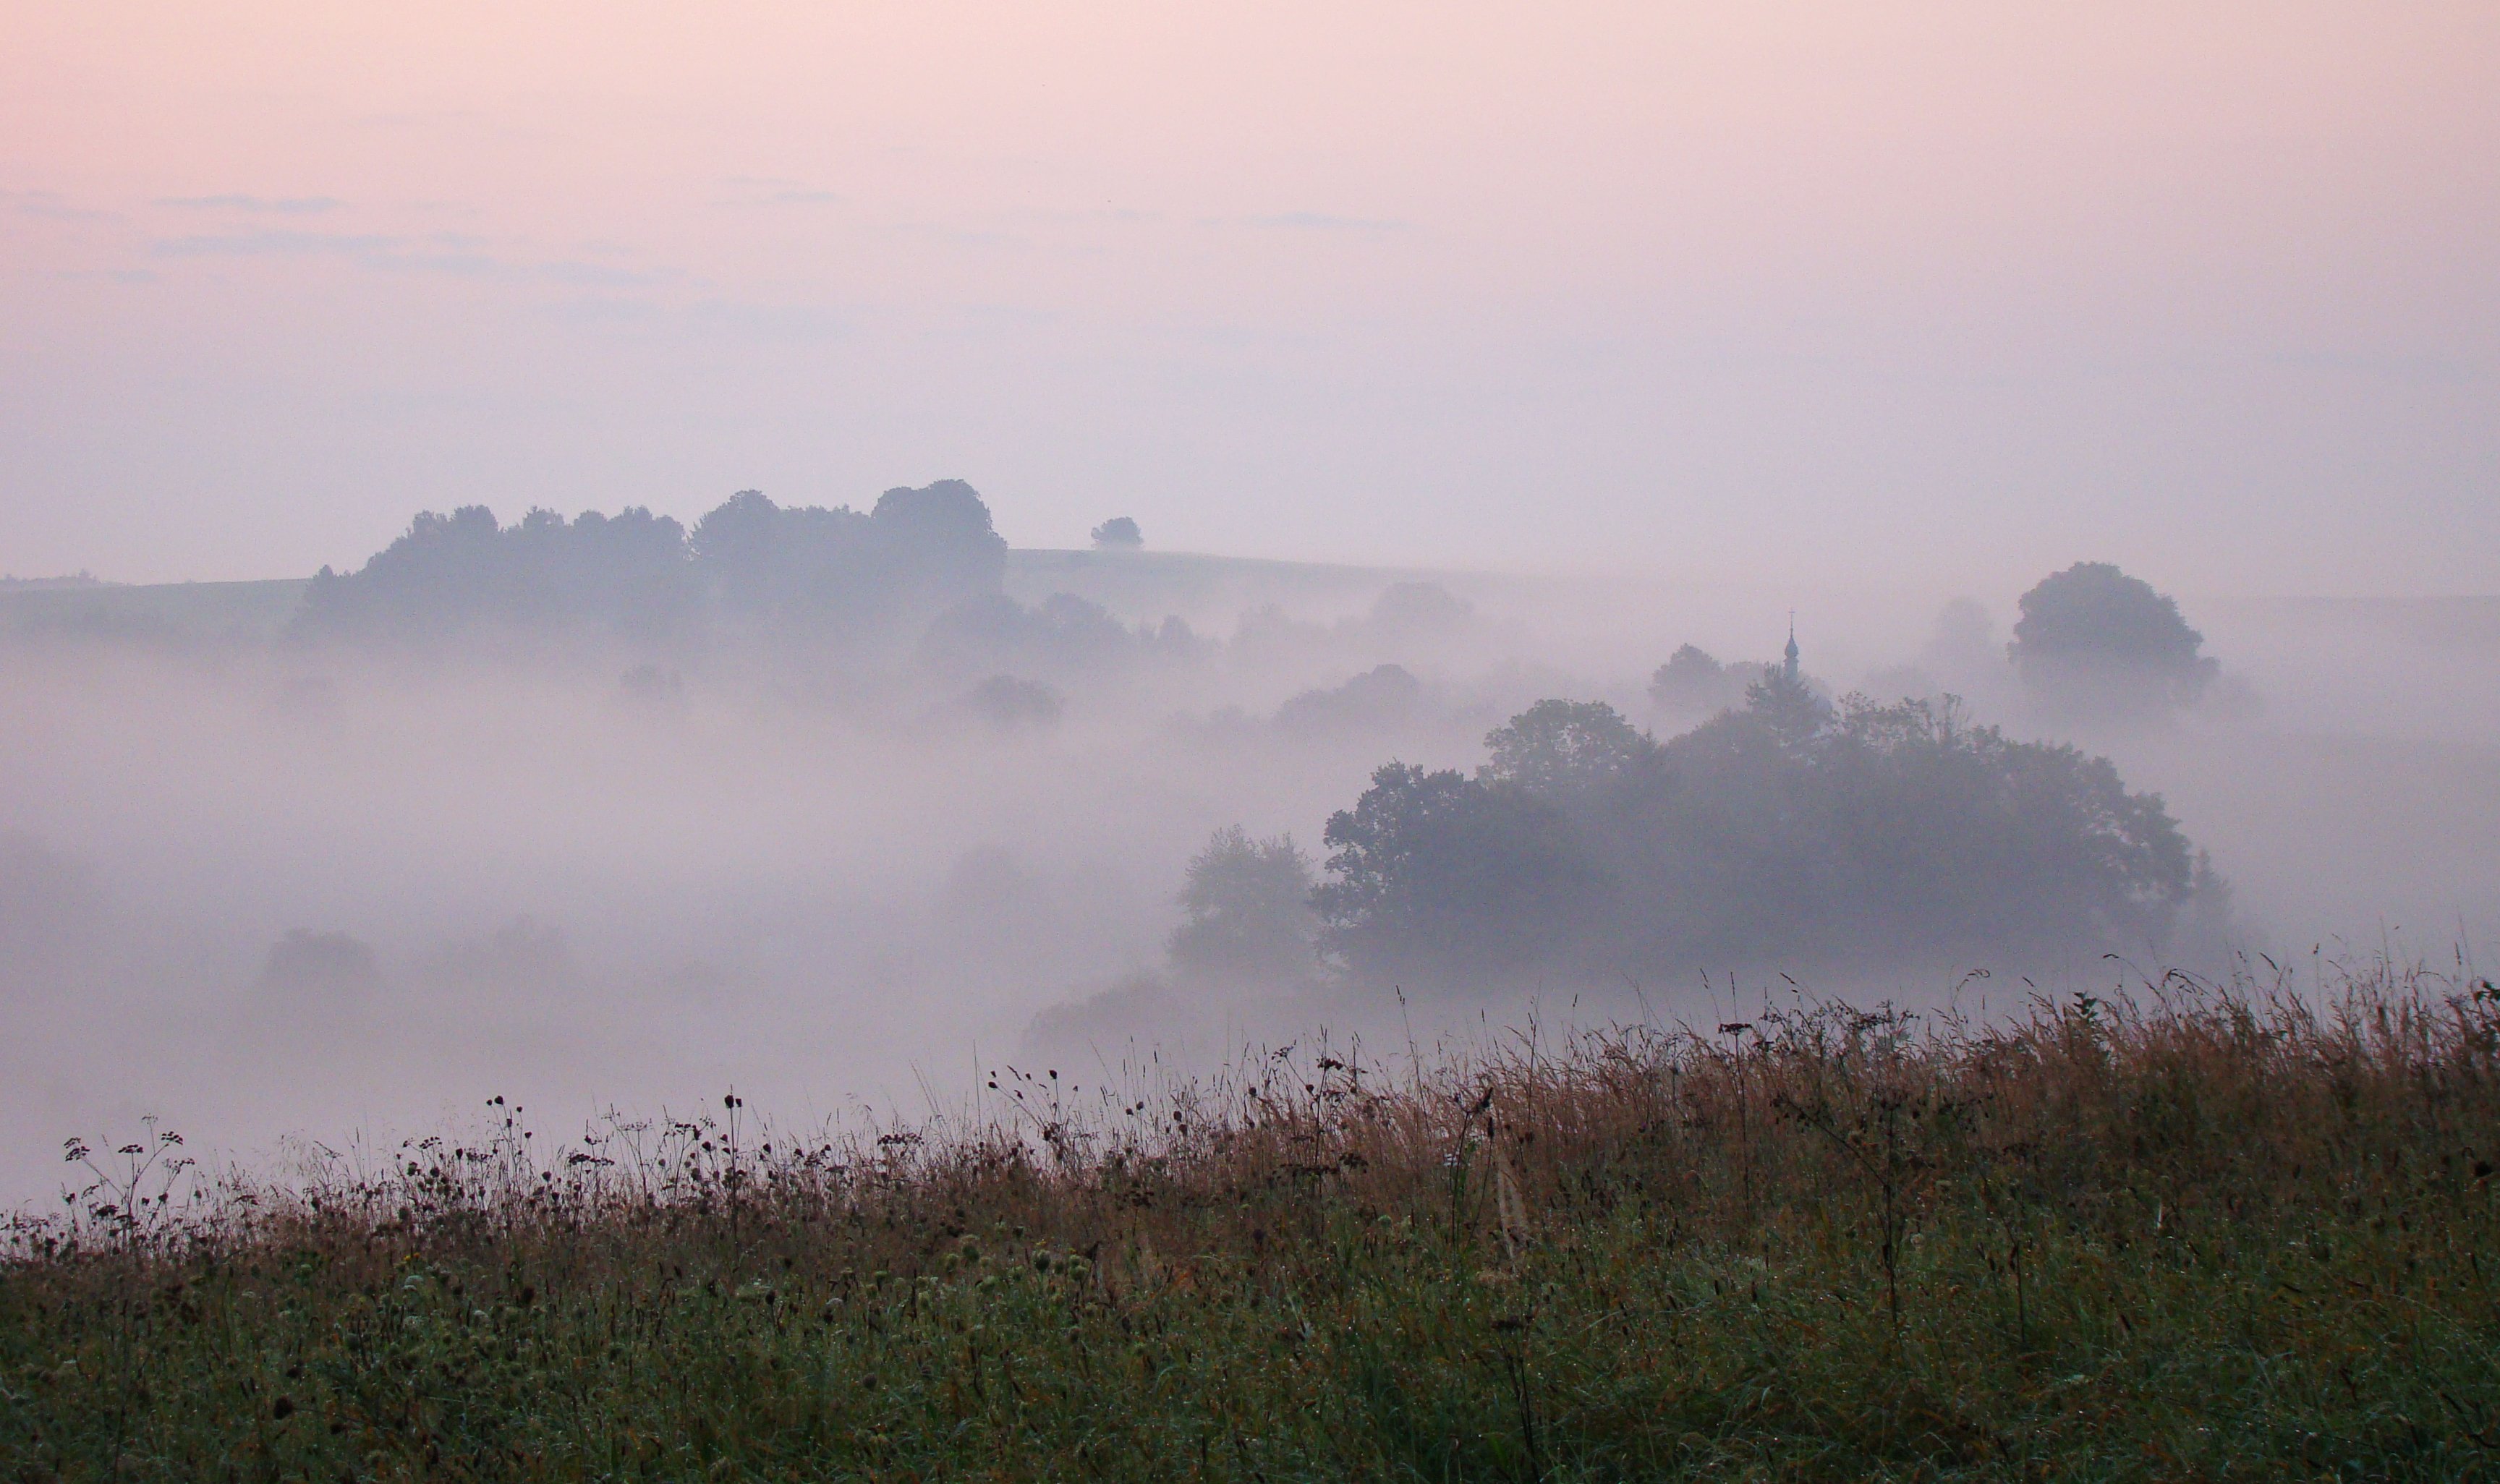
{"points": [[2093, 607], [1791, 831], [2093, 639], [1562, 747]]}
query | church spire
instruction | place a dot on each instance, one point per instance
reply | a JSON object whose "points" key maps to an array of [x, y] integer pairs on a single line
{"points": [[1790, 668]]}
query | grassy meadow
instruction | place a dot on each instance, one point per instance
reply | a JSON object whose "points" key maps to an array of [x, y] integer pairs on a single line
{"points": [[2202, 1232]]}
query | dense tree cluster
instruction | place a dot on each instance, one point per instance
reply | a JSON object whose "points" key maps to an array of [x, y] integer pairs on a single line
{"points": [[1789, 831], [644, 576]]}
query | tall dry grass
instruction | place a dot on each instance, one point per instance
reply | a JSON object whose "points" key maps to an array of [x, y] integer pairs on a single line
{"points": [[2199, 1226]]}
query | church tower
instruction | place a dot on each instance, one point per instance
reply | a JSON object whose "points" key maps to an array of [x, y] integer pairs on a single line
{"points": [[1789, 668]]}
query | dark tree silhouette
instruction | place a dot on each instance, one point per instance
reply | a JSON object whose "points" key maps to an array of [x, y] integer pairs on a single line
{"points": [[1563, 749], [1063, 635], [642, 576], [1118, 533], [1691, 680], [1418, 612], [2093, 640], [1247, 911], [1461, 877], [1784, 703], [1383, 696], [449, 572], [1789, 832]]}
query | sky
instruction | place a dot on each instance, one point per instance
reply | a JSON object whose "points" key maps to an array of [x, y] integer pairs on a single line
{"points": [[1939, 293]]}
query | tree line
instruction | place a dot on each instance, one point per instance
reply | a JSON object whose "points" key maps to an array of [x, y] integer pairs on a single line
{"points": [[1788, 831], [641, 576]]}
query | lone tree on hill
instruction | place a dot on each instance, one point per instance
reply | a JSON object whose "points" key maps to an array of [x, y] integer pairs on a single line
{"points": [[1118, 533], [1247, 906]]}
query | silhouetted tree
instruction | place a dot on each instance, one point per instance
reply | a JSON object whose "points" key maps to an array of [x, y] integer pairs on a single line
{"points": [[1465, 878], [940, 538], [1247, 910], [1789, 831], [1383, 696], [1561, 749], [2093, 640], [1418, 612], [1691, 680], [1118, 533], [624, 572], [1693, 684], [1062, 635], [642, 576], [1786, 705], [918, 552]]}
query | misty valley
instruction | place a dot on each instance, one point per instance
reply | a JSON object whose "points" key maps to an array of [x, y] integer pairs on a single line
{"points": [[845, 810], [1714, 742], [821, 994]]}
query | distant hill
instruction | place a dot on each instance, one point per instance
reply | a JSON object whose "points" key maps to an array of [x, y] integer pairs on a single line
{"points": [[182, 612], [1206, 589], [1133, 584], [2470, 624]]}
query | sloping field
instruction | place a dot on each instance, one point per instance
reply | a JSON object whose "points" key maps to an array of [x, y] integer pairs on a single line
{"points": [[2214, 1234]]}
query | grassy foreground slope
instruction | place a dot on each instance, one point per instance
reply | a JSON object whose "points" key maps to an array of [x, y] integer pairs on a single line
{"points": [[2209, 1236]]}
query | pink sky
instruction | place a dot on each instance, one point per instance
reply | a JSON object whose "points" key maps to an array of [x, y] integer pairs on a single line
{"points": [[1958, 293]]}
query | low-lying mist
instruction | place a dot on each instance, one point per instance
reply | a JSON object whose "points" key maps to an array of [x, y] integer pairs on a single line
{"points": [[832, 808]]}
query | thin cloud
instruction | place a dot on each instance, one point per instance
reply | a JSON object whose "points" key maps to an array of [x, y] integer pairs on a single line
{"points": [[265, 245], [776, 190], [770, 321], [1322, 221], [739, 319], [50, 206], [446, 253], [276, 206]]}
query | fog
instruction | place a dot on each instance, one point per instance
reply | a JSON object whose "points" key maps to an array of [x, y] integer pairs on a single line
{"points": [[269, 888]]}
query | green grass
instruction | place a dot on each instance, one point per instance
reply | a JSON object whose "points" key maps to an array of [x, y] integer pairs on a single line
{"points": [[2212, 1237]]}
